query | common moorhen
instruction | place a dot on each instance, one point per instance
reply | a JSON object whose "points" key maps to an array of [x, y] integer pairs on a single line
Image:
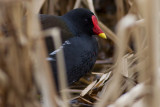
{"points": [[80, 47]]}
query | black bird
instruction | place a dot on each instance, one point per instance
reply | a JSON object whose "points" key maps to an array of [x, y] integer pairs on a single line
{"points": [[79, 45]]}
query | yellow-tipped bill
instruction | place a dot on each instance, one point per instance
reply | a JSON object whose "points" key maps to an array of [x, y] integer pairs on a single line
{"points": [[102, 35]]}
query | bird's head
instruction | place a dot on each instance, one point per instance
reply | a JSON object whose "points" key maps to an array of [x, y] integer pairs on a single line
{"points": [[85, 22]]}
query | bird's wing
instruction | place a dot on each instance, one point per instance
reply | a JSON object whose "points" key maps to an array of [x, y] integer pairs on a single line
{"points": [[52, 55], [50, 21]]}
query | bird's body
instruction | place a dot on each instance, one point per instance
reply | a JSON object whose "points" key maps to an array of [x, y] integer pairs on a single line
{"points": [[80, 47], [79, 61]]}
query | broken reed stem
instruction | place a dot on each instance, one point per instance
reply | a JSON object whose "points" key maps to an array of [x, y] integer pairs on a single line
{"points": [[124, 26], [111, 94], [142, 45], [42, 73], [140, 53], [152, 19], [132, 96], [62, 77], [16, 47], [25, 62]]}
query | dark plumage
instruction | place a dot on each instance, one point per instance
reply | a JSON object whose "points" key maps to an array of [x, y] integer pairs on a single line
{"points": [[80, 46]]}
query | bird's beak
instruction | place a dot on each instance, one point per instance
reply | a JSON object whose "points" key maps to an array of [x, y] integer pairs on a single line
{"points": [[102, 35], [96, 29]]}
